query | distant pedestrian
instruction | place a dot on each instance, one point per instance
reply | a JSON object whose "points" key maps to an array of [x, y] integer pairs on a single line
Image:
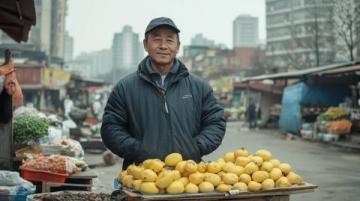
{"points": [[258, 115], [96, 107], [68, 105], [251, 115]]}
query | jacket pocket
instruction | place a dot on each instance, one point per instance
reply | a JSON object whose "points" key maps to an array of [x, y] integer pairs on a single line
{"points": [[196, 150]]}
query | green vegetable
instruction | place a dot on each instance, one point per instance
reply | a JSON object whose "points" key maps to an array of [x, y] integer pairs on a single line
{"points": [[27, 128]]}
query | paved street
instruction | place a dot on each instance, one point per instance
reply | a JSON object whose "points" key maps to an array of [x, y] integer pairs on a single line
{"points": [[334, 170]]}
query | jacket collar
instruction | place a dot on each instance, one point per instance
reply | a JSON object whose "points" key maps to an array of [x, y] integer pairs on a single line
{"points": [[173, 70], [142, 71]]}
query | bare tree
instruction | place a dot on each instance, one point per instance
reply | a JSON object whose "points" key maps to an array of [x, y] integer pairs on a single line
{"points": [[258, 63], [313, 37], [347, 23]]}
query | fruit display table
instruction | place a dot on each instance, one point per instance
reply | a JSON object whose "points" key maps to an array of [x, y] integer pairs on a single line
{"points": [[278, 194]]}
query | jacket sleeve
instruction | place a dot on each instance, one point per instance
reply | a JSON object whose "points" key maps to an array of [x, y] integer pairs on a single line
{"points": [[114, 129], [213, 123]]}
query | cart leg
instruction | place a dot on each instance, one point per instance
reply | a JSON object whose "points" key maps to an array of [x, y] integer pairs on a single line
{"points": [[281, 198], [264, 198]]}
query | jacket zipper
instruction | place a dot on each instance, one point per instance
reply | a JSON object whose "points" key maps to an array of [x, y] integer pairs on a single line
{"points": [[166, 106], [162, 92]]}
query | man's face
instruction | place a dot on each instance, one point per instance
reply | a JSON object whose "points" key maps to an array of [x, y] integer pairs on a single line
{"points": [[162, 45]]}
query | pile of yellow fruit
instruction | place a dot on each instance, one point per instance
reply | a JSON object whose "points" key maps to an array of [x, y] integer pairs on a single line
{"points": [[236, 170], [336, 113]]}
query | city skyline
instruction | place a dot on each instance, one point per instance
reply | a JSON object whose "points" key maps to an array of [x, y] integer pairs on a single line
{"points": [[94, 29]]}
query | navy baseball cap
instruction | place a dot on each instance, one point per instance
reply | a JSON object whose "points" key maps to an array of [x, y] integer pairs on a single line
{"points": [[161, 21]]}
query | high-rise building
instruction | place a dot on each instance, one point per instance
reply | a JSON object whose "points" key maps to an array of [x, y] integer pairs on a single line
{"points": [[127, 50], [299, 33], [48, 34], [92, 64], [200, 40], [358, 30], [58, 13], [102, 61], [40, 34], [245, 31], [68, 47]]}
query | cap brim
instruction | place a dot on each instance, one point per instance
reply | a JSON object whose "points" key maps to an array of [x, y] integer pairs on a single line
{"points": [[163, 25]]}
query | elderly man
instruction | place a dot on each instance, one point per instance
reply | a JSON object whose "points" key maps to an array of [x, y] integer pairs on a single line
{"points": [[162, 108]]}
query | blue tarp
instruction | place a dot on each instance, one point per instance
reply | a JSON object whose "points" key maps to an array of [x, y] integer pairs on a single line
{"points": [[299, 94]]}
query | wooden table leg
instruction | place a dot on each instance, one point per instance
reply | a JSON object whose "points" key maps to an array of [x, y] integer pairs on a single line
{"points": [[44, 187], [281, 198]]}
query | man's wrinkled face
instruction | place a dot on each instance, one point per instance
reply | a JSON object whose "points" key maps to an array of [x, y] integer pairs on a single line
{"points": [[162, 45]]}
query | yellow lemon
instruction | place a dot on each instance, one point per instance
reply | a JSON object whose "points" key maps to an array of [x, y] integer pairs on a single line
{"points": [[176, 187], [149, 187], [267, 184], [240, 186], [264, 154], [191, 188], [254, 186], [241, 152], [173, 159], [206, 187]]}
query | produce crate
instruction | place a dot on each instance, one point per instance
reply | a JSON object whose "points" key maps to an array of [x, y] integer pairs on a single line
{"points": [[338, 130], [277, 194], [37, 175]]}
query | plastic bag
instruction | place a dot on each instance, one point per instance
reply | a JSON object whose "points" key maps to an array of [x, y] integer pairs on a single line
{"points": [[9, 178], [26, 111], [8, 190], [70, 147]]}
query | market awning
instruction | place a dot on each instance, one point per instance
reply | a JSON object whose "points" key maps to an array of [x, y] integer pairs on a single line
{"points": [[301, 73], [17, 17], [342, 70], [275, 88]]}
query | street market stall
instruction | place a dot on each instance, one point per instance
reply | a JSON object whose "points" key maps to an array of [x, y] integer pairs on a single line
{"points": [[312, 92], [239, 175]]}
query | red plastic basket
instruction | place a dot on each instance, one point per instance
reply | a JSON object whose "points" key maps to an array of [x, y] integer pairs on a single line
{"points": [[38, 175]]}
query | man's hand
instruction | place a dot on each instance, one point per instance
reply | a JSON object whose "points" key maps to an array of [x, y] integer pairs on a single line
{"points": [[10, 87], [5, 69]]}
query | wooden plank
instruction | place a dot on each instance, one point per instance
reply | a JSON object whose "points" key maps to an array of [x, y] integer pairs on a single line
{"points": [[81, 179], [278, 192], [89, 174], [46, 186]]}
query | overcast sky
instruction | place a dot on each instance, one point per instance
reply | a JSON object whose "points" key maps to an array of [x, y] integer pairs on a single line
{"points": [[93, 23]]}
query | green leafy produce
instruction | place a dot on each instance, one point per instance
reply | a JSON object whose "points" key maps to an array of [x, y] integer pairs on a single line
{"points": [[27, 128]]}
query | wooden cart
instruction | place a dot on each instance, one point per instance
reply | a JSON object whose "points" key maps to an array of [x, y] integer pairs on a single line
{"points": [[278, 194]]}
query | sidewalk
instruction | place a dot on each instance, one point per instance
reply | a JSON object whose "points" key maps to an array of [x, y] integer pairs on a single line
{"points": [[348, 145], [106, 174], [351, 145]]}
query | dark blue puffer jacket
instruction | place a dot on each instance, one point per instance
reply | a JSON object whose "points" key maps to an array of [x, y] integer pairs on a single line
{"points": [[142, 121]]}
